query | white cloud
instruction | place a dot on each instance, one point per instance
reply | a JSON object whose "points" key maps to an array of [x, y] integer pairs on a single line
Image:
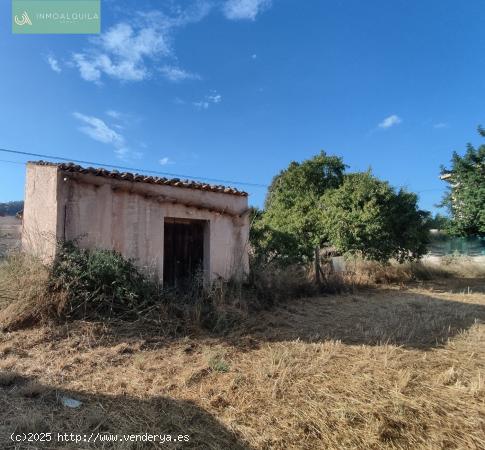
{"points": [[128, 50], [113, 114], [100, 131], [208, 100], [201, 105], [122, 119], [132, 49], [440, 125], [165, 161], [126, 154], [87, 68], [390, 121], [122, 53], [54, 63], [214, 98], [244, 9], [176, 74]]}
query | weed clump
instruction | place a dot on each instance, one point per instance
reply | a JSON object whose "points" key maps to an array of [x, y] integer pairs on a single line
{"points": [[101, 283], [217, 363], [79, 284]]}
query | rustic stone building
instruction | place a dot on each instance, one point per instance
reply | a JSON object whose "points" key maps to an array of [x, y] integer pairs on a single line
{"points": [[169, 226]]}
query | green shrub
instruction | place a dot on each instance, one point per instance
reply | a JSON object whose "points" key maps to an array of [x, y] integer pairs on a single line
{"points": [[101, 283]]}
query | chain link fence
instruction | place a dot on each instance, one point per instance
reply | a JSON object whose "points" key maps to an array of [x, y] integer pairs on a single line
{"points": [[442, 245]]}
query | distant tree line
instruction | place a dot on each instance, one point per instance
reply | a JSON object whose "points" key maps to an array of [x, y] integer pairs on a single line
{"points": [[11, 208]]}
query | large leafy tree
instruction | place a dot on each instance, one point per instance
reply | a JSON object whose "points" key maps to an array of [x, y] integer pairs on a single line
{"points": [[367, 216], [270, 246], [313, 202], [293, 206], [465, 197]]}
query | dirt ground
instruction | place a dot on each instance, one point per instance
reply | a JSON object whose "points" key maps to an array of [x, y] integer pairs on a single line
{"points": [[395, 368], [10, 228]]}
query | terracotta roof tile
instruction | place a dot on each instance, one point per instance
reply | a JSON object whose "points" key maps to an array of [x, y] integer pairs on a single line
{"points": [[135, 177]]}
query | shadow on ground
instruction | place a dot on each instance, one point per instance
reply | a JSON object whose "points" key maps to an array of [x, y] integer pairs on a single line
{"points": [[399, 317], [455, 285], [29, 407], [410, 318]]}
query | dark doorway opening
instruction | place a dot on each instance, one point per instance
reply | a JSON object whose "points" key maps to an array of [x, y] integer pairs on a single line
{"points": [[183, 255]]}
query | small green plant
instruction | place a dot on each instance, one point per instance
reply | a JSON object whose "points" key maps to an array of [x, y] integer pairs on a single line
{"points": [[218, 364]]}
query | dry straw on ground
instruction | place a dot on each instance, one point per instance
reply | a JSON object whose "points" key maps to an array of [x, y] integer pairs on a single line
{"points": [[397, 368]]}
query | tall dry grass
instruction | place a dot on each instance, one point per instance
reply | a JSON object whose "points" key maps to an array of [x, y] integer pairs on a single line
{"points": [[25, 297], [361, 272]]}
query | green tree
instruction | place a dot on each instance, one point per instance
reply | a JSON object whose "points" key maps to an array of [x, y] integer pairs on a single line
{"points": [[465, 196], [293, 204], [270, 246], [366, 216], [439, 222]]}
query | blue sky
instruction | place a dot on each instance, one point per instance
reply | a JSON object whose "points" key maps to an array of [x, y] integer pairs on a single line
{"points": [[236, 89]]}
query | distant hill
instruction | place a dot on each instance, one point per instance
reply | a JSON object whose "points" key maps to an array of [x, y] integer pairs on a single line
{"points": [[11, 208]]}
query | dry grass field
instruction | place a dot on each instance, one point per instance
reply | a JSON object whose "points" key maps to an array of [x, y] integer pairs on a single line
{"points": [[393, 368], [9, 234]]}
